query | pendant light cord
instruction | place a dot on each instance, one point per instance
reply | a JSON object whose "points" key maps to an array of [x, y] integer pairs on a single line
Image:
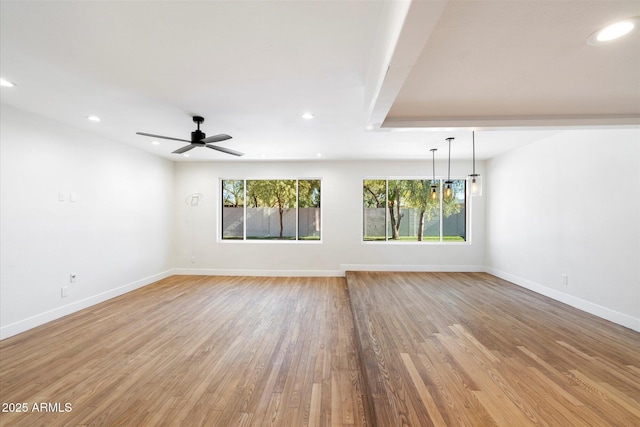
{"points": [[433, 164], [449, 167], [473, 135]]}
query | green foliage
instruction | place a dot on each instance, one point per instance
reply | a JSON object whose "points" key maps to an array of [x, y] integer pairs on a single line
{"points": [[271, 193], [419, 197], [417, 194], [374, 193], [397, 193], [451, 205], [309, 193], [233, 193]]}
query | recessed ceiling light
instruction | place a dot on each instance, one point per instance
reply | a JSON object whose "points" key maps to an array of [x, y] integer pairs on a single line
{"points": [[307, 116], [613, 31], [6, 83], [186, 155], [93, 118], [155, 143], [318, 154]]}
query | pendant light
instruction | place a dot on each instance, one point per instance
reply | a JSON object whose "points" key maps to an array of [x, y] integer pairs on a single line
{"points": [[434, 187], [448, 190], [475, 181]]}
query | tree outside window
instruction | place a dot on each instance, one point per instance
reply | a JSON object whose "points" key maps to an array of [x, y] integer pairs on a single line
{"points": [[405, 210], [275, 209]]}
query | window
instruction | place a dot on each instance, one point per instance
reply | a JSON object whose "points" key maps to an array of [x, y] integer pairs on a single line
{"points": [[232, 209], [414, 210], [271, 209], [309, 209]]}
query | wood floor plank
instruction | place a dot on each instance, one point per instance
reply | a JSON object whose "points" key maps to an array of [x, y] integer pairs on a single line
{"points": [[434, 413], [315, 410], [610, 397], [487, 352]]}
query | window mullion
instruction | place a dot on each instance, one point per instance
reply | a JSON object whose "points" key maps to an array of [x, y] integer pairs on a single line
{"points": [[386, 211], [296, 209], [244, 210], [441, 211]]}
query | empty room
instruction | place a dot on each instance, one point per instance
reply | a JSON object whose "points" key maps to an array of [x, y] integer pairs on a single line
{"points": [[310, 213]]}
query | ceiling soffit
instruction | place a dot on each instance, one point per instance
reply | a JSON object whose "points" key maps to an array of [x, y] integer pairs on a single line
{"points": [[491, 65]]}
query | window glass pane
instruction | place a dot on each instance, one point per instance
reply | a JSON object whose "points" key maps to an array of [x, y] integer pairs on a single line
{"points": [[232, 209], [374, 197], [271, 209], [413, 214], [398, 224], [431, 228], [309, 209], [454, 212]]}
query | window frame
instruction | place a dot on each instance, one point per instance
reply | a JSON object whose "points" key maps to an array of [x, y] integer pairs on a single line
{"points": [[441, 180], [244, 239]]}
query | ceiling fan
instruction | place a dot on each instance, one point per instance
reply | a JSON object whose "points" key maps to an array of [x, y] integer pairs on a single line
{"points": [[198, 139]]}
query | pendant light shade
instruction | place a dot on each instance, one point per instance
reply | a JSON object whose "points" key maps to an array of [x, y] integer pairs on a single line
{"points": [[475, 185], [474, 180], [434, 187], [448, 184]]}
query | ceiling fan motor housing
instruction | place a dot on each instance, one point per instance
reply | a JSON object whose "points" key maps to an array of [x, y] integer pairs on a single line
{"points": [[197, 136]]}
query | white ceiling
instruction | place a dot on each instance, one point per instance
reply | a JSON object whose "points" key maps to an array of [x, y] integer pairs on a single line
{"points": [[370, 71]]}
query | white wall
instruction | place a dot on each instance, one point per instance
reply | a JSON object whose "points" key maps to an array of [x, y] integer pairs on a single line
{"points": [[131, 226], [570, 204], [341, 246], [116, 236]]}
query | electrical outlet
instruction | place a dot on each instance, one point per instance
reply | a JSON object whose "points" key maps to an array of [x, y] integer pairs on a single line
{"points": [[72, 278], [63, 292], [565, 279]]}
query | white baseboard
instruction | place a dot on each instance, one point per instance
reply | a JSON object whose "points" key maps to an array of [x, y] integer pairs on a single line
{"points": [[254, 273], [42, 318], [587, 306], [413, 268]]}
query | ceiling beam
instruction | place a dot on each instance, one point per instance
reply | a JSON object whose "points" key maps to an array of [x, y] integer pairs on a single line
{"points": [[494, 123], [404, 29]]}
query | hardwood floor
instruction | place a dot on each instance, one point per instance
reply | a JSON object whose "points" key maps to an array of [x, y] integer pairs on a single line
{"points": [[454, 349], [468, 349], [217, 351]]}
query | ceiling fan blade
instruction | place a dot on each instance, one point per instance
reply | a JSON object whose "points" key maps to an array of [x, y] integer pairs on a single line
{"points": [[185, 149], [160, 136], [215, 138], [225, 150]]}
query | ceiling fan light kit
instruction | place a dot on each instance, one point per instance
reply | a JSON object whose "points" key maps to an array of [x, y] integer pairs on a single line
{"points": [[198, 139]]}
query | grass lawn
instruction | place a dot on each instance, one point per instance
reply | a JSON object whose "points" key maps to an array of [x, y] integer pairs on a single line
{"points": [[415, 239]]}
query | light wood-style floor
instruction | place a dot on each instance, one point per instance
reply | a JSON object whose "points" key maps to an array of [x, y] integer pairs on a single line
{"points": [[468, 349], [186, 351], [436, 349]]}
